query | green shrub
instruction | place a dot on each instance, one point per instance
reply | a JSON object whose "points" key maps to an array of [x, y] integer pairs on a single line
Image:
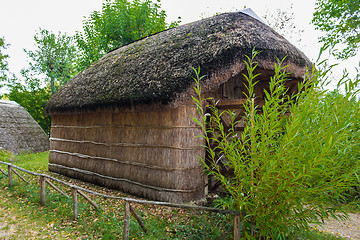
{"points": [[289, 170], [5, 156]]}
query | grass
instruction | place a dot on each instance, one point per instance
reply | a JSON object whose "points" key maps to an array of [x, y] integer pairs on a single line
{"points": [[56, 216], [25, 218]]}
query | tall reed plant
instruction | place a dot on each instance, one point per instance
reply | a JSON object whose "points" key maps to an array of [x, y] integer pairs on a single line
{"points": [[296, 158]]}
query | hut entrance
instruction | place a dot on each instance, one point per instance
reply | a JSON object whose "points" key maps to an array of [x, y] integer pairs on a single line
{"points": [[232, 98], [236, 106]]}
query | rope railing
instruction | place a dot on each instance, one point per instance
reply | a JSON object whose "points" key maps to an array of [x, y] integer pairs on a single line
{"points": [[75, 190]]}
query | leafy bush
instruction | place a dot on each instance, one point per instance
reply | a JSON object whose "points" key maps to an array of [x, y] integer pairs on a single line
{"points": [[5, 156], [295, 159]]}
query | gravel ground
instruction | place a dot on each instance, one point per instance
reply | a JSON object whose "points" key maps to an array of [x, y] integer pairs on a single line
{"points": [[349, 229]]}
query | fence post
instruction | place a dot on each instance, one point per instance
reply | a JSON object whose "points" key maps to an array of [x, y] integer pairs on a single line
{"points": [[21, 177], [3, 172], [10, 176], [88, 199], [237, 231], [126, 221], [42, 190], [75, 203], [57, 189], [138, 219]]}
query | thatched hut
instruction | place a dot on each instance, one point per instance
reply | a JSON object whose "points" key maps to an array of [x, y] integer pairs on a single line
{"points": [[19, 132], [125, 122]]}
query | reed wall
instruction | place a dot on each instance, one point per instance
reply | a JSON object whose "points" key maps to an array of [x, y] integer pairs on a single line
{"points": [[152, 154]]}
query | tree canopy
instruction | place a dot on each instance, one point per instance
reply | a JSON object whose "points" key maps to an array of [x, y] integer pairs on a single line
{"points": [[3, 62], [50, 66], [120, 22], [282, 21], [340, 20], [30, 95], [53, 58]]}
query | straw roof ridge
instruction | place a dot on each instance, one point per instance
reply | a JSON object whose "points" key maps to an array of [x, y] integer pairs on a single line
{"points": [[158, 68]]}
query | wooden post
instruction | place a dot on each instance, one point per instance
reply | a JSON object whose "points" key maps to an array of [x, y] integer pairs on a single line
{"points": [[138, 219], [10, 176], [88, 199], [42, 190], [21, 177], [3, 172], [57, 189], [237, 230], [126, 221], [75, 203]]}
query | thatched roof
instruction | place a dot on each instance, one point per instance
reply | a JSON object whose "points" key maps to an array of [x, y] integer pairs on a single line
{"points": [[19, 132], [158, 68]]}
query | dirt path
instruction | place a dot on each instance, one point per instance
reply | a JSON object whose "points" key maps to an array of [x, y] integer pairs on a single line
{"points": [[13, 226], [348, 229], [6, 227]]}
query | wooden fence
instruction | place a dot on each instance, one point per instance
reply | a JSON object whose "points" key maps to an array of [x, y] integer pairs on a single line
{"points": [[45, 180]]}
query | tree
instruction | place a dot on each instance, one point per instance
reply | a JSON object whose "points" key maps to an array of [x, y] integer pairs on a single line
{"points": [[51, 66], [120, 22], [286, 170], [3, 62], [282, 21], [30, 95], [53, 58], [340, 20]]}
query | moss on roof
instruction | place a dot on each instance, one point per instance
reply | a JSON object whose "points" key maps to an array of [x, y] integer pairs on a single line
{"points": [[158, 68]]}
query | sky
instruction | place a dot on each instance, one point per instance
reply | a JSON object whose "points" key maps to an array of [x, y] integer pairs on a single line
{"points": [[19, 19]]}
